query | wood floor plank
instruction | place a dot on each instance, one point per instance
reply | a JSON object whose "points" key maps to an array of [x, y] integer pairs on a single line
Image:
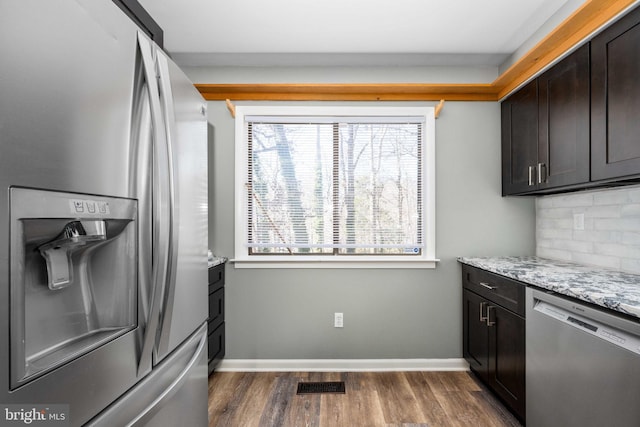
{"points": [[226, 392], [332, 406], [303, 410], [451, 381], [398, 401], [254, 400], [363, 406], [420, 382], [463, 410], [279, 400], [490, 404]]}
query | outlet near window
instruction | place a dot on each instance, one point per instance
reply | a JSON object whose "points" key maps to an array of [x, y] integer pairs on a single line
{"points": [[578, 221], [338, 320]]}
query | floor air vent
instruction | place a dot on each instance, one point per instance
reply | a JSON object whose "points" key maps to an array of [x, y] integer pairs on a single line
{"points": [[321, 387]]}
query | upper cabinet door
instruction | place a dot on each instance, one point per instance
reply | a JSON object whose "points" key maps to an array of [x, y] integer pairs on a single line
{"points": [[563, 141], [615, 100], [520, 140]]}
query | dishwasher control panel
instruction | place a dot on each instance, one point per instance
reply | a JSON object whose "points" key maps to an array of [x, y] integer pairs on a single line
{"points": [[608, 333]]}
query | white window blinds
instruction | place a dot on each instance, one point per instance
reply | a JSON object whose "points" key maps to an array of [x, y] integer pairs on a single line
{"points": [[334, 185]]}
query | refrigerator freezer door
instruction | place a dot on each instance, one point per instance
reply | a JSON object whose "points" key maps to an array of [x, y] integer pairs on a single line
{"points": [[174, 394]]}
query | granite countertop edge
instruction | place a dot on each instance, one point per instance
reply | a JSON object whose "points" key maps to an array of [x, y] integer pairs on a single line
{"points": [[618, 291], [216, 261]]}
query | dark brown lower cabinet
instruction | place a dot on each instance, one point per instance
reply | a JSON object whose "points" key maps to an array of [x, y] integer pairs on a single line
{"points": [[215, 322], [476, 334], [494, 336]]}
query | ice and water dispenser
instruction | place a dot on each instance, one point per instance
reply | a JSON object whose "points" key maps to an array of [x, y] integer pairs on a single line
{"points": [[73, 277]]}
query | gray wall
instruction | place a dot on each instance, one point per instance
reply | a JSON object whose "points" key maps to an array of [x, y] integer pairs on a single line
{"points": [[288, 314], [344, 74]]}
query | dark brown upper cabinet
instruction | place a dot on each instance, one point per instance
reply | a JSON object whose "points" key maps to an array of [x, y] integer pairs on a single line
{"points": [[585, 131], [520, 139], [545, 129], [615, 100], [563, 136]]}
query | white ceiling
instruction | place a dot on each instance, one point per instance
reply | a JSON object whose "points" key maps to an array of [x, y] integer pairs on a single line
{"points": [[254, 32]]}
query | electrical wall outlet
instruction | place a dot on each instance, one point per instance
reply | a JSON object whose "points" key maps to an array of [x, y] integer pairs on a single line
{"points": [[338, 320]]}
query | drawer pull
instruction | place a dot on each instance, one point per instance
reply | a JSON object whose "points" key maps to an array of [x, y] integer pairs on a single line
{"points": [[488, 286]]}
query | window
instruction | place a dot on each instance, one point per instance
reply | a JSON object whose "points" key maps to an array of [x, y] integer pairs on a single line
{"points": [[341, 186]]}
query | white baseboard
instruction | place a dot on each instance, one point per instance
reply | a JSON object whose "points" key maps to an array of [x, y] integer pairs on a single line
{"points": [[341, 365]]}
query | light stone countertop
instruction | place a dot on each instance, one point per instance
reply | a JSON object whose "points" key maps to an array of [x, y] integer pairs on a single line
{"points": [[216, 260], [607, 288]]}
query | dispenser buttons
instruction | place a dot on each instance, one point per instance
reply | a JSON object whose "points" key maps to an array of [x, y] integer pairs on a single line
{"points": [[91, 207]]}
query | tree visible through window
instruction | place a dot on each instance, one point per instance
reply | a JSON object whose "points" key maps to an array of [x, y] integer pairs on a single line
{"points": [[343, 187]]}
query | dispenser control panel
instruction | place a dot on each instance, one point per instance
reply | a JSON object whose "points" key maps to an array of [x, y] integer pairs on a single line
{"points": [[91, 207]]}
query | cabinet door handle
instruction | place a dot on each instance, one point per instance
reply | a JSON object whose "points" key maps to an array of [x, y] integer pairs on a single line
{"points": [[482, 306], [489, 310], [542, 173], [488, 286], [531, 172]]}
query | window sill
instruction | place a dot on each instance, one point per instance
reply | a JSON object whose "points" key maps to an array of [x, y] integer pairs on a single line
{"points": [[361, 262]]}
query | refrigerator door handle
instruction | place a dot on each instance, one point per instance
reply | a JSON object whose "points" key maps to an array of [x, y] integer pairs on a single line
{"points": [[166, 97], [160, 241], [140, 185]]}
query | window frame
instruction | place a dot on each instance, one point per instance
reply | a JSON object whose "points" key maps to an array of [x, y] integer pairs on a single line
{"points": [[427, 259]]}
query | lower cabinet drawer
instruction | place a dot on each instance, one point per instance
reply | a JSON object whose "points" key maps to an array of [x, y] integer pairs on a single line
{"points": [[216, 309], [216, 346], [498, 289], [216, 277]]}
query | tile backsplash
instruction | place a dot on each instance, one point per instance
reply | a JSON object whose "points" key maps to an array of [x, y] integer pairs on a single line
{"points": [[611, 234]]}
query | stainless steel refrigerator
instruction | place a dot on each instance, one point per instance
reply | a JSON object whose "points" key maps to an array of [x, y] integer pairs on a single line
{"points": [[103, 222]]}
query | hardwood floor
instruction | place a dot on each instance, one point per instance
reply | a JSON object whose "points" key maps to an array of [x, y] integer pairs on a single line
{"points": [[372, 399]]}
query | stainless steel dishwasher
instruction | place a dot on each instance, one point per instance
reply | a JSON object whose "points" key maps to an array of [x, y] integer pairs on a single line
{"points": [[582, 364]]}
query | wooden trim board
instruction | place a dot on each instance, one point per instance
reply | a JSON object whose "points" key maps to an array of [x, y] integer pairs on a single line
{"points": [[591, 16], [348, 92]]}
